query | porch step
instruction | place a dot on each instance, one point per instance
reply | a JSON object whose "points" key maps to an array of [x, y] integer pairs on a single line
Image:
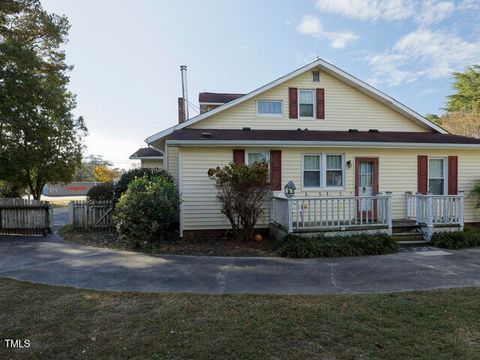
{"points": [[415, 243], [407, 236], [404, 226]]}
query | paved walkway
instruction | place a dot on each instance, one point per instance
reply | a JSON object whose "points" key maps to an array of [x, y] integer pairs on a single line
{"points": [[50, 260]]}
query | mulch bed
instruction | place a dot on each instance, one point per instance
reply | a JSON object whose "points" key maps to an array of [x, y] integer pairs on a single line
{"points": [[175, 246]]}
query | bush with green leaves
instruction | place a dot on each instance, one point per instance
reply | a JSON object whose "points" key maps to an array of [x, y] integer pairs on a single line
{"points": [[322, 246], [122, 184], [101, 192], [10, 190], [146, 211], [457, 239]]}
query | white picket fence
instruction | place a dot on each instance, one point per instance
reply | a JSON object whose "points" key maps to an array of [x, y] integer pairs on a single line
{"points": [[91, 215], [26, 217]]}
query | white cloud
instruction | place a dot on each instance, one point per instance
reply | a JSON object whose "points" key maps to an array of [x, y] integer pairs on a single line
{"points": [[423, 53], [311, 25], [423, 12]]}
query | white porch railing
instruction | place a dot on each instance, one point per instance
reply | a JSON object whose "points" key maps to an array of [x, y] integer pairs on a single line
{"points": [[332, 212], [431, 210]]}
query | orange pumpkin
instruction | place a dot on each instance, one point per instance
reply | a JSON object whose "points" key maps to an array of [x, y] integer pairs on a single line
{"points": [[258, 237]]}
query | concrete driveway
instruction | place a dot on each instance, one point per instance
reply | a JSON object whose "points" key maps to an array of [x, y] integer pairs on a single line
{"points": [[51, 260]]}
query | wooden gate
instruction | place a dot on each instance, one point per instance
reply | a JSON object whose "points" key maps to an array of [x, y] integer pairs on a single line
{"points": [[26, 217], [91, 215]]}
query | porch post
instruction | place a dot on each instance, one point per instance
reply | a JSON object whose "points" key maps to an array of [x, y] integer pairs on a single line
{"points": [[289, 215], [417, 207], [388, 194], [429, 211], [461, 220], [408, 205]]}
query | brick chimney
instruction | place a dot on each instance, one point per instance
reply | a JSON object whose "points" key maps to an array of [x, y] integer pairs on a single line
{"points": [[181, 110]]}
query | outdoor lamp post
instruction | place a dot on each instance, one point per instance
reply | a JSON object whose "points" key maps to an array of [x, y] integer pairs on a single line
{"points": [[290, 189]]}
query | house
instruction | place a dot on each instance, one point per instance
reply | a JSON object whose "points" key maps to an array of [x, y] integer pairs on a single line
{"points": [[359, 159], [149, 157]]}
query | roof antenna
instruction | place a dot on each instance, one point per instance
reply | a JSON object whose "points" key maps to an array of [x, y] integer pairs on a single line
{"points": [[183, 70]]}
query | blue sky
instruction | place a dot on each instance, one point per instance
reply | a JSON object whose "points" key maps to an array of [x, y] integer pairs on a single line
{"points": [[126, 54]]}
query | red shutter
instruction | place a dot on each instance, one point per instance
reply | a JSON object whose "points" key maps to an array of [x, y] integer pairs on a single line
{"points": [[239, 156], [452, 175], [422, 174], [320, 103], [276, 169], [293, 103]]}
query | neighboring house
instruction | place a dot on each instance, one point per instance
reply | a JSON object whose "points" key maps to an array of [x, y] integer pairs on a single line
{"points": [[357, 157], [149, 157]]}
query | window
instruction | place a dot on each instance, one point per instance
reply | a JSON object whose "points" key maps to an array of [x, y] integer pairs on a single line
{"points": [[256, 157], [334, 170], [311, 171], [306, 103], [316, 76], [269, 108], [324, 171], [436, 176]]}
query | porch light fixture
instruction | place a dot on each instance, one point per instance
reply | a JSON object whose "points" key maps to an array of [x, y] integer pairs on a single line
{"points": [[349, 164], [290, 189]]}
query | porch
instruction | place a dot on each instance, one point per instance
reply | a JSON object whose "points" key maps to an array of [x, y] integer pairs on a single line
{"points": [[349, 214]]}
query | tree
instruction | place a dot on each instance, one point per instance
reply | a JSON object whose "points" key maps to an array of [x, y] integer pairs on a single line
{"points": [[104, 174], [242, 192], [41, 140], [467, 96], [433, 118], [84, 171], [466, 124]]}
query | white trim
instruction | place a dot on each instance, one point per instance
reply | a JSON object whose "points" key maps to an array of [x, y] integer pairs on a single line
{"points": [[287, 143], [324, 66], [445, 173], [269, 115], [314, 113], [256, 151], [320, 163], [342, 169], [180, 192], [146, 157], [211, 103]]}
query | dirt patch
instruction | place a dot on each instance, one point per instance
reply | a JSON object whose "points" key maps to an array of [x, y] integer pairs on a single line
{"points": [[172, 245]]}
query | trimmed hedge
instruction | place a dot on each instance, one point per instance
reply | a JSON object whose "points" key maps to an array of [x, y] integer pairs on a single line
{"points": [[321, 246], [102, 191], [122, 184], [457, 239]]}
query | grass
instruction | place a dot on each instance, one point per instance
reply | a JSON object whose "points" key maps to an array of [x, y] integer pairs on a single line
{"points": [[70, 323]]}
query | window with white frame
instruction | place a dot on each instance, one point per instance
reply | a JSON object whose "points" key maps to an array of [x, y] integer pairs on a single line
{"points": [[437, 176], [323, 171], [270, 108], [311, 171], [334, 170], [256, 157], [306, 103]]}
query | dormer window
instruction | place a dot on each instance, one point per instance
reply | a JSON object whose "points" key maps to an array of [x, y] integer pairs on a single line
{"points": [[270, 108], [316, 76]]}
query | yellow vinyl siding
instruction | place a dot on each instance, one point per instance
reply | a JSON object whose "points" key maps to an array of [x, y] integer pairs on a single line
{"points": [[397, 173], [345, 108], [150, 163], [172, 159]]}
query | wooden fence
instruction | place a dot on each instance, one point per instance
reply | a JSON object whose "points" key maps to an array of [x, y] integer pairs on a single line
{"points": [[91, 215], [26, 217]]}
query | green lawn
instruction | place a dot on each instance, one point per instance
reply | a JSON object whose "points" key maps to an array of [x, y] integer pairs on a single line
{"points": [[70, 323]]}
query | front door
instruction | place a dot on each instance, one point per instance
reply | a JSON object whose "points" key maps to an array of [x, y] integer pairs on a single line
{"points": [[366, 184]]}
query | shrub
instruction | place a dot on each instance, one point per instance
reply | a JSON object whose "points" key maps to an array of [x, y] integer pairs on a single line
{"points": [[9, 190], [457, 239], [128, 176], [242, 191], [322, 246], [475, 193], [146, 210], [101, 192]]}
